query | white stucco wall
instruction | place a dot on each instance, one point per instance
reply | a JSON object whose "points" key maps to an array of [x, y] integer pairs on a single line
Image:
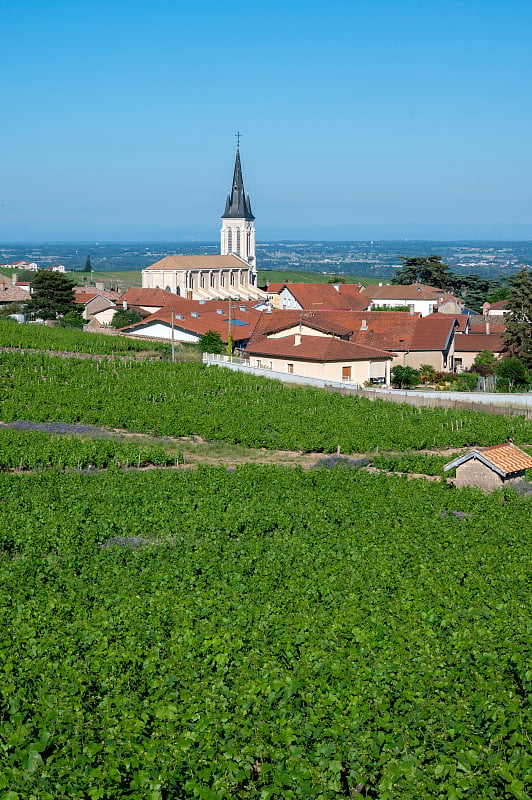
{"points": [[331, 371]]}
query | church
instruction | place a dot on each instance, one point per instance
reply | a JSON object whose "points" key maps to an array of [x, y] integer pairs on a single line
{"points": [[232, 274]]}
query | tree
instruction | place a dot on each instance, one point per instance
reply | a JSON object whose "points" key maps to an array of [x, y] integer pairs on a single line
{"points": [[52, 296], [73, 319], [125, 317], [485, 363], [211, 342], [404, 377], [88, 265], [427, 373], [511, 371], [518, 334], [423, 269]]}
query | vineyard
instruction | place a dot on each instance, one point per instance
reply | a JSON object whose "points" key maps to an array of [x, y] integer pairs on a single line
{"points": [[267, 633], [71, 340], [190, 399], [258, 632], [30, 450]]}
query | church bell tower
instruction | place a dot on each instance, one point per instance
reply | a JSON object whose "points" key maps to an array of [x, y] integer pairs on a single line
{"points": [[238, 231]]}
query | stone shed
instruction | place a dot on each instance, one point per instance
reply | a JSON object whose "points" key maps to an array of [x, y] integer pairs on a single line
{"points": [[491, 468]]}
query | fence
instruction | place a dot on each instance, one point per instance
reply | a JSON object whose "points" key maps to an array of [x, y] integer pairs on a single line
{"points": [[475, 401]]}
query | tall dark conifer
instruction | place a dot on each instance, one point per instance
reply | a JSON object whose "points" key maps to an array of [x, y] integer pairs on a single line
{"points": [[518, 334]]}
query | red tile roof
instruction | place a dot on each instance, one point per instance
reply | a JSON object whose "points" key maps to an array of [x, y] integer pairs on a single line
{"points": [[413, 291], [207, 319], [494, 327], [500, 305], [150, 297], [385, 330], [199, 262], [476, 342], [508, 457], [503, 458], [324, 297], [313, 348]]}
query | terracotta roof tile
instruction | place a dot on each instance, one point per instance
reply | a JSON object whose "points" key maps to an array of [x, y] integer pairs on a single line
{"points": [[314, 348], [507, 457], [199, 262], [207, 319], [324, 297], [476, 342], [414, 291], [385, 330]]}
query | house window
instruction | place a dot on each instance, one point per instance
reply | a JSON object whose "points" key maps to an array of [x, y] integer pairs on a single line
{"points": [[229, 241], [346, 373], [290, 368]]}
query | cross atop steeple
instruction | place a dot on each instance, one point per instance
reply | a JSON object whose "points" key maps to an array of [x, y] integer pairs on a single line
{"points": [[238, 204], [237, 137]]}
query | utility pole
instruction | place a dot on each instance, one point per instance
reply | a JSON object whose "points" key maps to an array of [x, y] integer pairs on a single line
{"points": [[229, 334], [173, 340]]}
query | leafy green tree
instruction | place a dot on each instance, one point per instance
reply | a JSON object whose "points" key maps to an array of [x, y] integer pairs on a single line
{"points": [[427, 373], [423, 269], [73, 319], [518, 334], [211, 342], [485, 363], [511, 372], [404, 377], [498, 293], [88, 265], [52, 295], [125, 317]]}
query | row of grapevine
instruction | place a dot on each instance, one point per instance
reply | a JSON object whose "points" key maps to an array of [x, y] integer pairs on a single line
{"points": [[188, 399], [71, 340], [267, 633], [35, 449]]}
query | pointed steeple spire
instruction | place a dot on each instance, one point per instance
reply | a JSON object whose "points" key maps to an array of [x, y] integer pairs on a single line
{"points": [[238, 205]]}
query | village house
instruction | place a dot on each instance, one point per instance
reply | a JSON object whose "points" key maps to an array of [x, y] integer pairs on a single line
{"points": [[498, 309], [320, 356], [412, 340], [320, 297], [189, 320], [417, 297], [490, 468], [467, 346], [11, 294]]}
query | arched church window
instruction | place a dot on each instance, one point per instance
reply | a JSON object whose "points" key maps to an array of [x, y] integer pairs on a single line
{"points": [[212, 279], [229, 241], [238, 241], [167, 289]]}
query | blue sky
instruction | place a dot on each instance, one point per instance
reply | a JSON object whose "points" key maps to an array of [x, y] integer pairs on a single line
{"points": [[360, 120]]}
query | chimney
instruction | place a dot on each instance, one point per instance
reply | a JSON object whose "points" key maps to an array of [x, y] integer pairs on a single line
{"points": [[100, 285], [364, 325], [297, 340], [14, 279], [487, 326], [124, 305]]}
